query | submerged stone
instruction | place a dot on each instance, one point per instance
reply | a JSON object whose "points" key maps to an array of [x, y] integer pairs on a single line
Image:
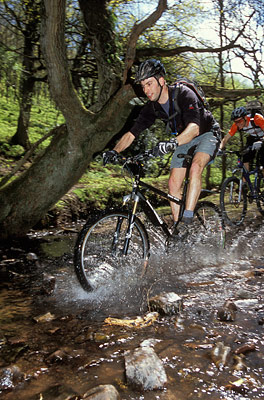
{"points": [[102, 392], [144, 369], [166, 303], [9, 377], [220, 354]]}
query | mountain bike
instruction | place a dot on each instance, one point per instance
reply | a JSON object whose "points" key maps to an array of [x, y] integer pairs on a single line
{"points": [[119, 238], [236, 192]]}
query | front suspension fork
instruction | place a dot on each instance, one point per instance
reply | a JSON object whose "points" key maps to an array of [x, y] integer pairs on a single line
{"points": [[130, 227]]}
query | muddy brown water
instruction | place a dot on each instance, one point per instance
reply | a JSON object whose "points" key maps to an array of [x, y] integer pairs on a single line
{"points": [[65, 357]]}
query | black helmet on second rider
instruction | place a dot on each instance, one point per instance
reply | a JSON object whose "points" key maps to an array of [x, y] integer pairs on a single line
{"points": [[238, 112], [150, 68]]}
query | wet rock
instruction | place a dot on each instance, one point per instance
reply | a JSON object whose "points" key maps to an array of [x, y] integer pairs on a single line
{"points": [[102, 392], [260, 317], [10, 377], [11, 352], [149, 342], [100, 337], [259, 270], [58, 356], [48, 285], [144, 369], [45, 317], [244, 294], [227, 312], [247, 303], [57, 392], [220, 354], [239, 364], [32, 257], [245, 348], [239, 386], [166, 303]]}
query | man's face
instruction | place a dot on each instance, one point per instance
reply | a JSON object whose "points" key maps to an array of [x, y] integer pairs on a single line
{"points": [[240, 122], [152, 88]]}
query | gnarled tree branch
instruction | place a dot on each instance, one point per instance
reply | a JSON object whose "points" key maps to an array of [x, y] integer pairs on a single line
{"points": [[136, 31]]}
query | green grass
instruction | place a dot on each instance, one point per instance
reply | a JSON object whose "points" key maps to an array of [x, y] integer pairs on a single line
{"points": [[44, 116]]}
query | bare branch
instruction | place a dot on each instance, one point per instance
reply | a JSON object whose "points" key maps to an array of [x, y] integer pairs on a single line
{"points": [[185, 49], [230, 94], [137, 31]]}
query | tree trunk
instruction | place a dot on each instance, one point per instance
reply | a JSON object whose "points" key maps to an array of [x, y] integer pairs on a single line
{"points": [[21, 135], [24, 201], [27, 80]]}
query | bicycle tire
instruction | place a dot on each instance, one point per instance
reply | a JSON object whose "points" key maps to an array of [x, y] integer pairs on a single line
{"points": [[208, 226], [95, 259], [260, 193], [233, 210]]}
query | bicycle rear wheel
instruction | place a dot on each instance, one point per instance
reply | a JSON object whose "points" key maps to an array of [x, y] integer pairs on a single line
{"points": [[233, 206], [208, 226], [260, 193], [98, 253]]}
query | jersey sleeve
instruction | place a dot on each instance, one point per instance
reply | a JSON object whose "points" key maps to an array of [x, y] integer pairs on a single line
{"points": [[232, 130], [259, 121]]}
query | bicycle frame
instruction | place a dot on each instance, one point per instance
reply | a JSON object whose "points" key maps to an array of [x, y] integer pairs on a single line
{"points": [[137, 196], [246, 175]]}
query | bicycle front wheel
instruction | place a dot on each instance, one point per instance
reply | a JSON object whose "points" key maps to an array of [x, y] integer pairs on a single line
{"points": [[98, 253], [233, 202], [208, 225], [260, 193]]}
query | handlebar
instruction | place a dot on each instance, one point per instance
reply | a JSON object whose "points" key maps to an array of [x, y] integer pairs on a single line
{"points": [[134, 165], [239, 153]]}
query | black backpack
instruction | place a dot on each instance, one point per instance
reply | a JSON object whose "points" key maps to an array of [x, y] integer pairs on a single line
{"points": [[196, 88], [255, 107]]}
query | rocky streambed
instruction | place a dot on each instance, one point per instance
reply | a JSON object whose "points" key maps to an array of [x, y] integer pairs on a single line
{"points": [[59, 342]]}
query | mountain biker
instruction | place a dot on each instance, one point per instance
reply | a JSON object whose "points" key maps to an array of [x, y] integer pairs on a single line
{"points": [[194, 130], [254, 127]]}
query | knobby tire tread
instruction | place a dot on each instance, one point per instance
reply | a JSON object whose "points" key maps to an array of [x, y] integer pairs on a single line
{"points": [[226, 214], [260, 190], [91, 222]]}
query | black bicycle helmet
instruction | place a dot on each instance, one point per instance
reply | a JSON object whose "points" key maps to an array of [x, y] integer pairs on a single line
{"points": [[150, 68], [238, 113]]}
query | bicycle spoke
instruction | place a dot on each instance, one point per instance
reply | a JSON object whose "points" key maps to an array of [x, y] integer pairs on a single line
{"points": [[233, 201], [99, 252], [208, 225], [260, 193]]}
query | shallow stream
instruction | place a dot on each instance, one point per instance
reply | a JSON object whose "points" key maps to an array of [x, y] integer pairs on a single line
{"points": [[63, 354]]}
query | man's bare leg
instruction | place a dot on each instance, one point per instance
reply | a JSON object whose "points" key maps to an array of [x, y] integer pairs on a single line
{"points": [[175, 189], [199, 162]]}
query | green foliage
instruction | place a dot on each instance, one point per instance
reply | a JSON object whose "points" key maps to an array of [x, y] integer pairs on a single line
{"points": [[176, 28], [11, 151], [103, 187], [44, 116]]}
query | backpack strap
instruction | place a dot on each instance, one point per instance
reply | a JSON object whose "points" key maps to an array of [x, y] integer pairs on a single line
{"points": [[175, 108], [175, 93]]}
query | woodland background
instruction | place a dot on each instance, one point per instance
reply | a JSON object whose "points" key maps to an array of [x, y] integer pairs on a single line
{"points": [[67, 91]]}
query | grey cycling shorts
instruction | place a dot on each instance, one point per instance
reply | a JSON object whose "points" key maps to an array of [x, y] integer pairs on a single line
{"points": [[206, 143]]}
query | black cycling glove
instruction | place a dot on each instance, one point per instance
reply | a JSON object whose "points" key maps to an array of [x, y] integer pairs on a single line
{"points": [[110, 156], [165, 147]]}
